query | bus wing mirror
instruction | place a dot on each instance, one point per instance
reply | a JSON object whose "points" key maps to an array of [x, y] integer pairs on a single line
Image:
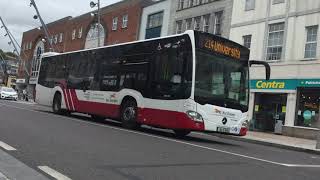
{"points": [[265, 64]]}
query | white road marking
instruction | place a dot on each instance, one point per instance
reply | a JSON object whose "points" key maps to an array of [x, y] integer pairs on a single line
{"points": [[53, 173], [7, 147], [174, 140]]}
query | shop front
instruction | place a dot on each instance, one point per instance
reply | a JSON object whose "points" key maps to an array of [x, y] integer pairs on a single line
{"points": [[286, 106]]}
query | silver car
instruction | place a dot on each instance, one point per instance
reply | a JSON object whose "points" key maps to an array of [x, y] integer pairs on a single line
{"points": [[8, 93]]}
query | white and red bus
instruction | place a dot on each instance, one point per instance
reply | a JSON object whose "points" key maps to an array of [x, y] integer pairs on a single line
{"points": [[187, 82]]}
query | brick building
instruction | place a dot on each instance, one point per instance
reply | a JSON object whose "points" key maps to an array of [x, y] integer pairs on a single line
{"points": [[119, 23]]}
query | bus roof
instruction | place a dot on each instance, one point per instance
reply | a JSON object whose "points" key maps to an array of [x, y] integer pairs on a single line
{"points": [[50, 54]]}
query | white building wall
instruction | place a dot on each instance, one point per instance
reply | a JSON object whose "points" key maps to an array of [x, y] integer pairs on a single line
{"points": [[164, 6], [239, 14], [257, 32]]}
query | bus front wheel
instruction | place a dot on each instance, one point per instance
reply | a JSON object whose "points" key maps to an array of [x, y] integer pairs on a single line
{"points": [[181, 133], [129, 114]]}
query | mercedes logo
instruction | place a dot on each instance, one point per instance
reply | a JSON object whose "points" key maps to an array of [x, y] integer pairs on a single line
{"points": [[224, 121]]}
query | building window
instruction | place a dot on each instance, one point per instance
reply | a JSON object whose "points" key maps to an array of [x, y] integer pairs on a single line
{"points": [[311, 44], [73, 34], [60, 37], [250, 5], [115, 23], [80, 33], [188, 24], [30, 45], [178, 27], [181, 4], [206, 23], [93, 35], [275, 41], [217, 23], [308, 107], [154, 25], [56, 39], [247, 41], [125, 21], [196, 25], [277, 1], [190, 3], [196, 2]]}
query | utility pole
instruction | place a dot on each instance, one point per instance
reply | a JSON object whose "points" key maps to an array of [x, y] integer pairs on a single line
{"points": [[13, 44], [44, 26]]}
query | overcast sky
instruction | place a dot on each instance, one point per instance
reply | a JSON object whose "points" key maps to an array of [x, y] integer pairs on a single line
{"points": [[18, 15]]}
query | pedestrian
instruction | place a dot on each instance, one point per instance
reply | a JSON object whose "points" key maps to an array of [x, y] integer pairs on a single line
{"points": [[24, 92]]}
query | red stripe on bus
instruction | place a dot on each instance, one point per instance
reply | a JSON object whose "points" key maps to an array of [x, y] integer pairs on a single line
{"points": [[65, 98]]}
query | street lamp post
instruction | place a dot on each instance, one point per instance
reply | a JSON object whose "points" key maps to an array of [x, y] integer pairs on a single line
{"points": [[8, 33], [33, 3], [92, 5]]}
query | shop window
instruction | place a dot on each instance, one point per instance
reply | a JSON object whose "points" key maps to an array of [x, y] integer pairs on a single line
{"points": [[308, 108]]}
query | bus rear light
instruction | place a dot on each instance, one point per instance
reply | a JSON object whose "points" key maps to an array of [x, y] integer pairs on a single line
{"points": [[195, 116]]}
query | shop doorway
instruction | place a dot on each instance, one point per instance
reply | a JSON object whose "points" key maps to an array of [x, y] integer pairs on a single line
{"points": [[269, 109]]}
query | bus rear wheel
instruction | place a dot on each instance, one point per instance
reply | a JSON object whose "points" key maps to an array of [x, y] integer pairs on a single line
{"points": [[56, 105], [129, 114], [181, 133]]}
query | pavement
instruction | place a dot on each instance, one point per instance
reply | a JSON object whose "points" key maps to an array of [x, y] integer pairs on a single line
{"points": [[75, 147], [293, 143]]}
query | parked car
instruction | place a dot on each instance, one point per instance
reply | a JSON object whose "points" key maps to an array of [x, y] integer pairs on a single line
{"points": [[8, 93]]}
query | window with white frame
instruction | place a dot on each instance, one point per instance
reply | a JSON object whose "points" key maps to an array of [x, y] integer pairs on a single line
{"points": [[55, 39], [247, 41], [188, 24], [181, 4], [217, 23], [206, 23], [250, 5], [190, 3], [61, 37], [311, 42], [73, 34], [277, 1], [115, 23], [80, 33], [275, 41], [125, 21], [196, 2], [196, 25], [178, 27]]}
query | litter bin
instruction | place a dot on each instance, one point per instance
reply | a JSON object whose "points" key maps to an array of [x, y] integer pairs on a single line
{"points": [[278, 127]]}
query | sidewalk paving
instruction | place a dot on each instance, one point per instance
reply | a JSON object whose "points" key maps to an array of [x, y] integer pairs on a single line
{"points": [[13, 169], [282, 141]]}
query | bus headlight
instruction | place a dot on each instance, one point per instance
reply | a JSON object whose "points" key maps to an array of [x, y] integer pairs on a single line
{"points": [[245, 124], [195, 116]]}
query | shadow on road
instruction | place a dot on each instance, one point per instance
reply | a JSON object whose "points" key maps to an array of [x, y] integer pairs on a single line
{"points": [[145, 129]]}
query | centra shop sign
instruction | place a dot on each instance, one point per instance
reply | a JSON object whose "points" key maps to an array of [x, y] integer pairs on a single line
{"points": [[287, 84], [274, 84]]}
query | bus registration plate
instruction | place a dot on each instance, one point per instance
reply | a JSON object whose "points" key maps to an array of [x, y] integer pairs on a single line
{"points": [[223, 129]]}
